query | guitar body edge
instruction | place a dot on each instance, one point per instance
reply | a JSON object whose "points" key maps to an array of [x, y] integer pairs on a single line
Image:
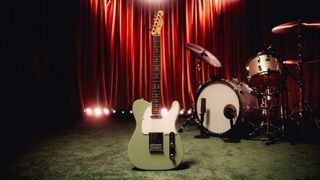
{"points": [[138, 148]]}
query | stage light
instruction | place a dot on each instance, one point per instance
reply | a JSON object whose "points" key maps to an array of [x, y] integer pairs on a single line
{"points": [[88, 111], [164, 111], [97, 111], [106, 111], [181, 111], [189, 111], [122, 112], [113, 111], [130, 111]]}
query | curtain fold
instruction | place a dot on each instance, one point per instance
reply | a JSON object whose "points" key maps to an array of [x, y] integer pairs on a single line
{"points": [[114, 47]]}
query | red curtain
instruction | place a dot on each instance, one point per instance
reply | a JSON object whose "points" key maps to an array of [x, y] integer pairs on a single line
{"points": [[114, 47]]}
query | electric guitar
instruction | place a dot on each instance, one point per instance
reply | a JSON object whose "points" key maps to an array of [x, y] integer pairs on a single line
{"points": [[155, 144]]}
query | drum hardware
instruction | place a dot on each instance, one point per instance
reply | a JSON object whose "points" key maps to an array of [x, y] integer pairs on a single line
{"points": [[198, 70], [203, 133], [201, 54], [271, 130], [230, 105], [299, 28], [266, 78], [230, 113]]}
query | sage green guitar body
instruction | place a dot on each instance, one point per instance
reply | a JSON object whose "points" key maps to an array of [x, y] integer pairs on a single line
{"points": [[138, 148]]}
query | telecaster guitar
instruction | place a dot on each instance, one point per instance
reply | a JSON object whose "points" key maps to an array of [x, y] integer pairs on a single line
{"points": [[155, 144]]}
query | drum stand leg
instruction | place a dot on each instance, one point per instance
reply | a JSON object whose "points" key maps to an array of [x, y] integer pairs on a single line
{"points": [[268, 132], [203, 133], [273, 132], [304, 125]]}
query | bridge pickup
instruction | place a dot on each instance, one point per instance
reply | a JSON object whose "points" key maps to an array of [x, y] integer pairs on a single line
{"points": [[172, 146], [156, 116], [156, 142]]}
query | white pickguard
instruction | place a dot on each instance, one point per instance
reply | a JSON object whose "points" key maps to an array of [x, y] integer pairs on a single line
{"points": [[166, 124]]}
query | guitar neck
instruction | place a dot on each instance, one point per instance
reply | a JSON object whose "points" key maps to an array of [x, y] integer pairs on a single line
{"points": [[156, 74]]}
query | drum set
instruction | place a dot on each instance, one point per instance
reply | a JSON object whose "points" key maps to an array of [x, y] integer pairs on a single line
{"points": [[233, 109]]}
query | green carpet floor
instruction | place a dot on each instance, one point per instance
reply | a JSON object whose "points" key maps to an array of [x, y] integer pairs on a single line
{"points": [[99, 151]]}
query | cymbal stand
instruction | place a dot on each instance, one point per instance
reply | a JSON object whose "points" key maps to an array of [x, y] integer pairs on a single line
{"points": [[300, 68], [304, 109], [193, 118], [199, 75], [295, 123]]}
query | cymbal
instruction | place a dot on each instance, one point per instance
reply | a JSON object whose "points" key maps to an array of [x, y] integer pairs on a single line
{"points": [[291, 61], [296, 27], [295, 62], [203, 54]]}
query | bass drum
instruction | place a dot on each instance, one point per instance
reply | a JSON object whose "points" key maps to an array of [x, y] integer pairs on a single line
{"points": [[222, 94]]}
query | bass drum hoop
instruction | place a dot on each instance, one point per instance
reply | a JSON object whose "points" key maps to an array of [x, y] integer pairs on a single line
{"points": [[240, 114]]}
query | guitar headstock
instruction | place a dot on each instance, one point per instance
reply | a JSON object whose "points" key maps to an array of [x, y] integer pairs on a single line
{"points": [[157, 24]]}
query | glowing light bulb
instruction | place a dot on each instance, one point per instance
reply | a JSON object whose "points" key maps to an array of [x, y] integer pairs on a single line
{"points": [[164, 111], [106, 111], [88, 111], [97, 111]]}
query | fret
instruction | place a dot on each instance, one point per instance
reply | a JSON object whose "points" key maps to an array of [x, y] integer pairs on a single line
{"points": [[156, 72]]}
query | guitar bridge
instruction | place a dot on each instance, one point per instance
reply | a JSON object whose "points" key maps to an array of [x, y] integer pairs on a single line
{"points": [[156, 142]]}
